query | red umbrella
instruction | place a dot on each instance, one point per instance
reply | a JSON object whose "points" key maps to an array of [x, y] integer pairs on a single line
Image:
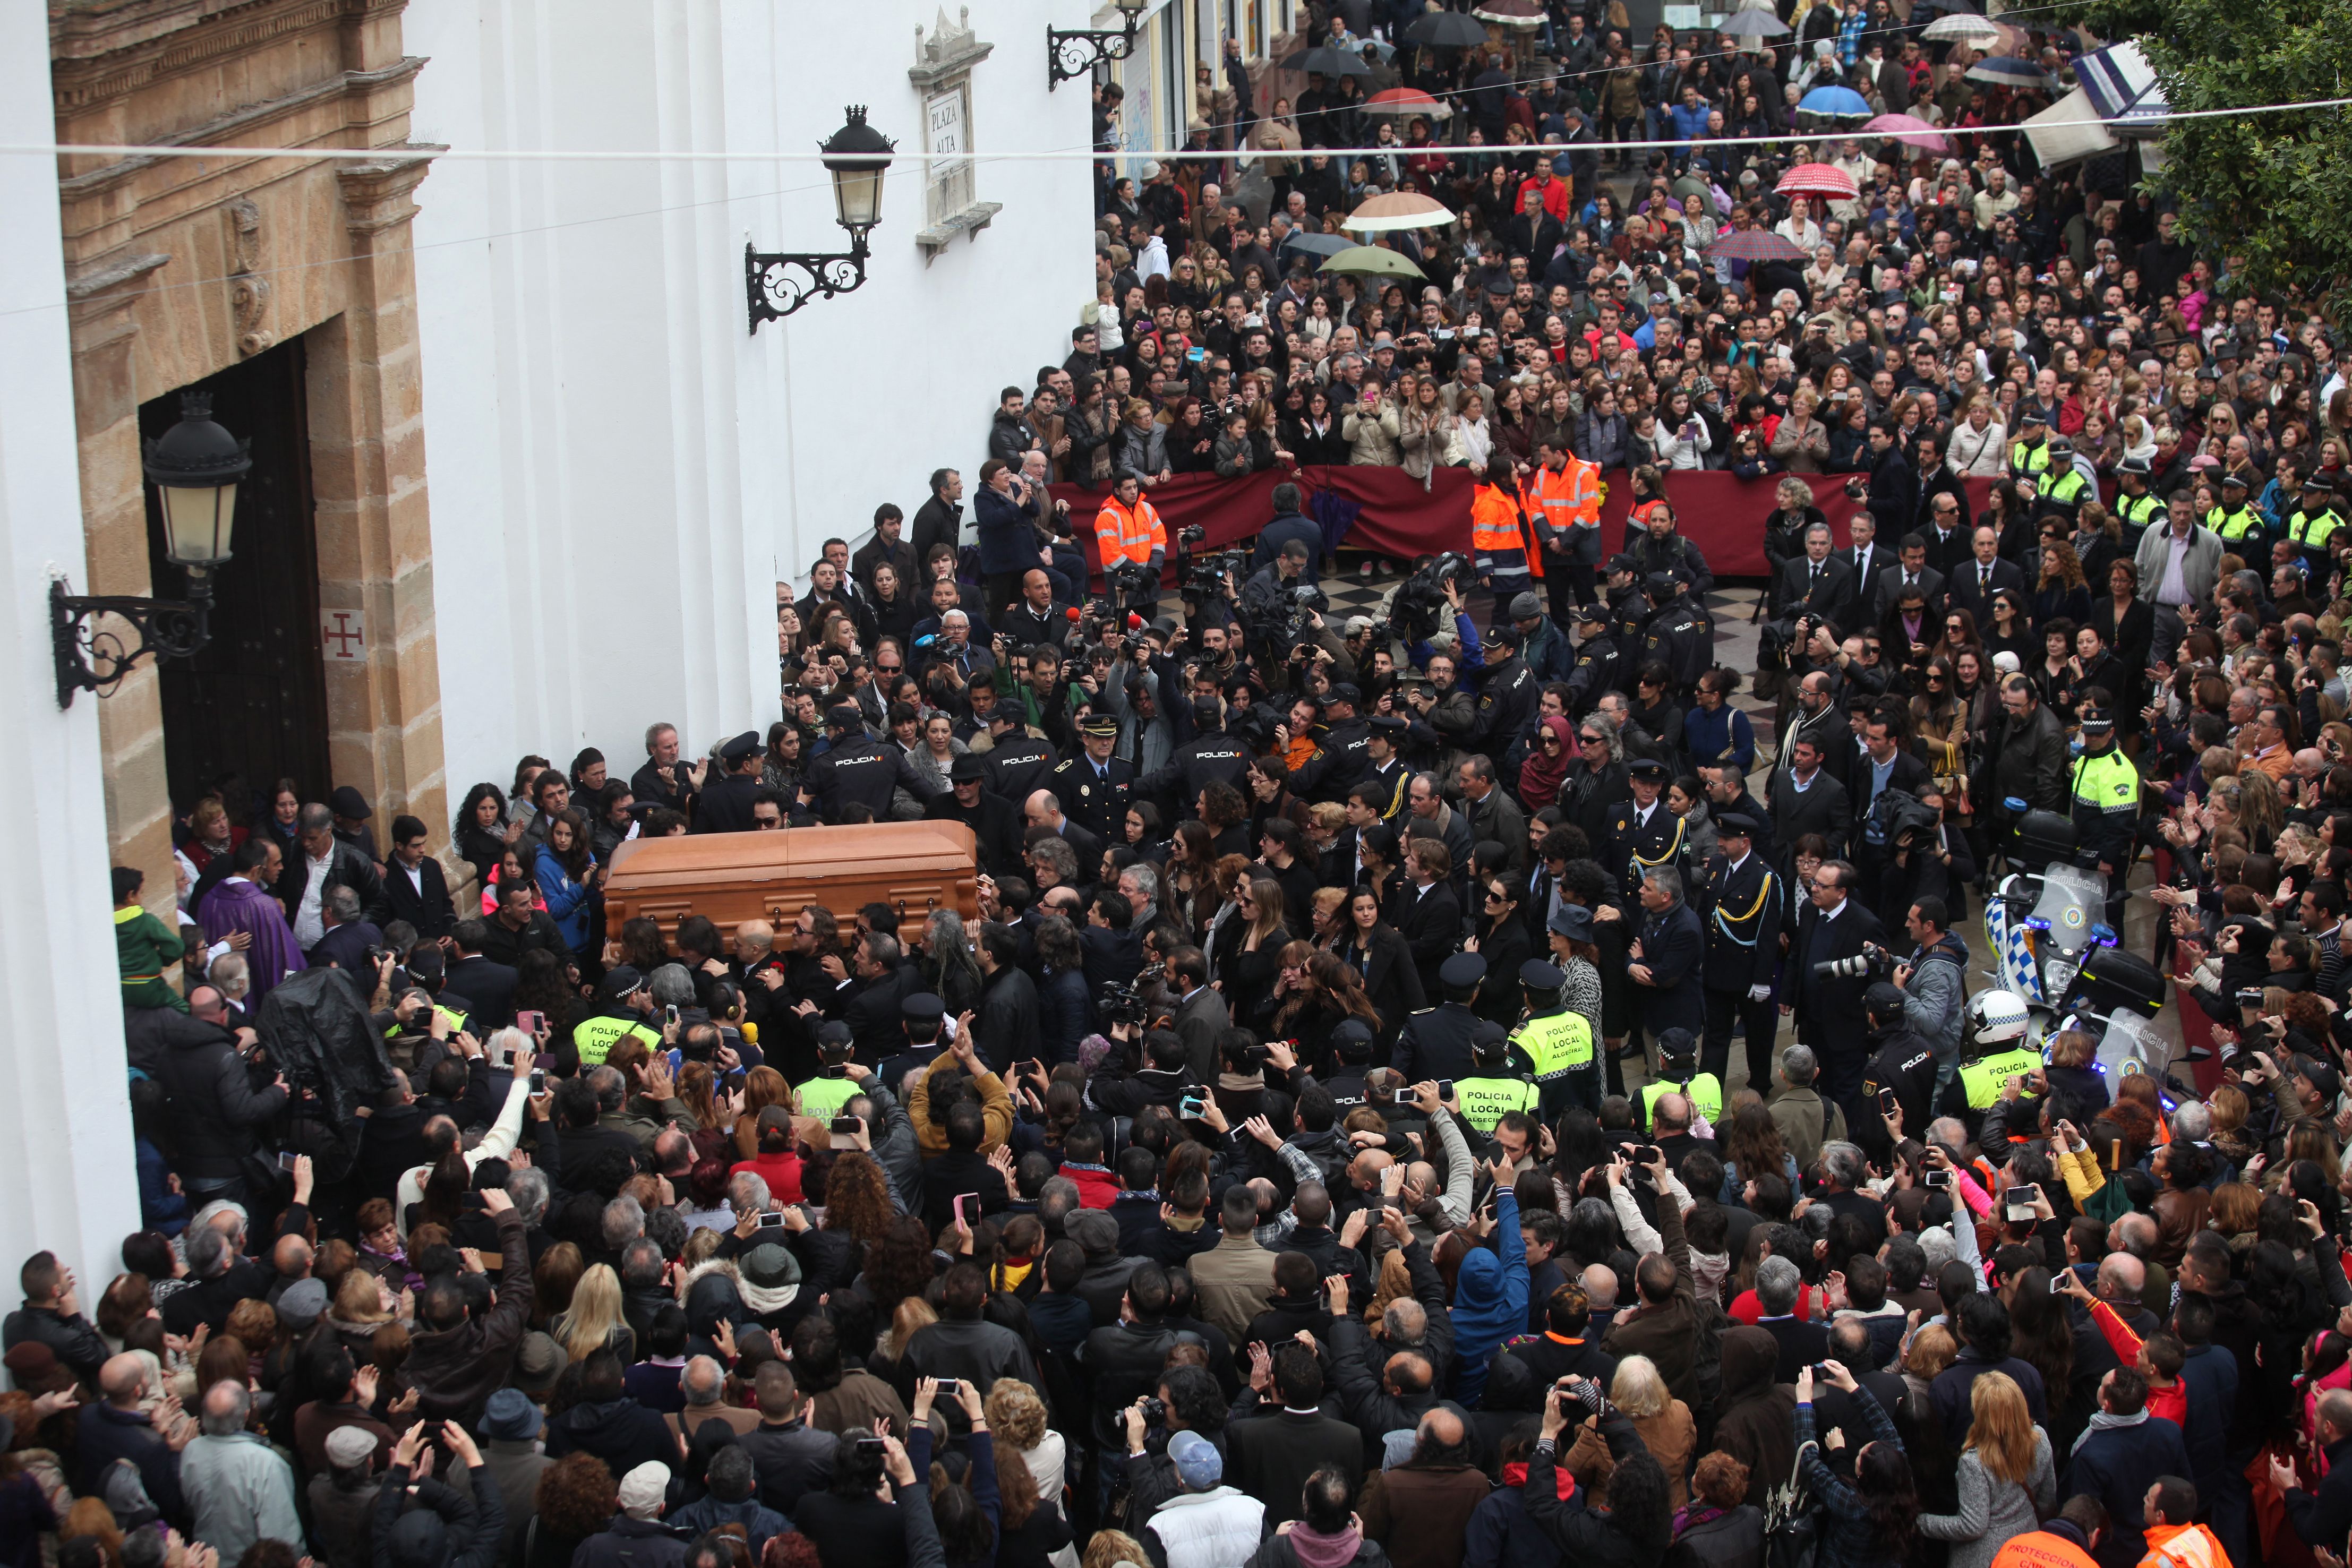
{"points": [[1754, 245], [1818, 180], [1406, 102]]}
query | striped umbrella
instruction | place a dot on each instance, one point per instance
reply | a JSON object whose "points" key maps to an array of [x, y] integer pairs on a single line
{"points": [[1511, 12], [1754, 245], [1818, 180], [1962, 27]]}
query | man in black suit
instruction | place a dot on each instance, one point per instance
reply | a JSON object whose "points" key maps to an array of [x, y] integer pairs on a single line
{"points": [[1044, 810], [1833, 924], [487, 985], [1806, 799], [1200, 1015], [1886, 764], [1862, 555], [1943, 511], [875, 1016], [414, 888], [994, 822], [1426, 911], [1894, 483], [1272, 1456], [1667, 960], [1971, 586], [1911, 571], [1802, 1342], [1815, 583]]}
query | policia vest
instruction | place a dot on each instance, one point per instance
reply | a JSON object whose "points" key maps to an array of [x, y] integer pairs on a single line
{"points": [[2244, 523], [594, 1037], [1555, 1044], [1981, 1079], [1487, 1101], [824, 1096], [1705, 1091]]}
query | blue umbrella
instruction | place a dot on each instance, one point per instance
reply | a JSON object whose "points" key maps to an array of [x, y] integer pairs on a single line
{"points": [[2009, 70], [1834, 102]]}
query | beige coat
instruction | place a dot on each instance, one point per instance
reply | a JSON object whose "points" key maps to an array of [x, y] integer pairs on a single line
{"points": [[1232, 1283]]}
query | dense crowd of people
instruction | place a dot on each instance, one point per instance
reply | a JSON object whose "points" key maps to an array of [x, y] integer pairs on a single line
{"points": [[1325, 1148]]}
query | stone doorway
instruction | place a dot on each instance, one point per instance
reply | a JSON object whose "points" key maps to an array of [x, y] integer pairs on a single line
{"points": [[251, 709]]}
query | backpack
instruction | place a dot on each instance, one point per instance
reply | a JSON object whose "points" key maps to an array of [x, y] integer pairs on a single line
{"points": [[1793, 1521]]}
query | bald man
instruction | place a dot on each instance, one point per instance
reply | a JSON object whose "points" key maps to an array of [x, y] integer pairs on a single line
{"points": [[1420, 1511], [116, 1429]]}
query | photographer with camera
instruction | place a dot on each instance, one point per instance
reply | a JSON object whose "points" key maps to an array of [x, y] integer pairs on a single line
{"points": [[1836, 952], [1268, 604], [1934, 981], [1289, 524], [1035, 619]]}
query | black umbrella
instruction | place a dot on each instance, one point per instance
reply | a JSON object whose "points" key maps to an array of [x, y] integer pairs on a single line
{"points": [[1445, 30], [1329, 62]]}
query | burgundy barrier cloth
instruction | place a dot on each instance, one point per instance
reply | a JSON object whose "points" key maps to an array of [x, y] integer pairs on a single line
{"points": [[1723, 515]]}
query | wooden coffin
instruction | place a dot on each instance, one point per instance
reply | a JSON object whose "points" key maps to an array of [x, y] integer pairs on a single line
{"points": [[729, 878]]}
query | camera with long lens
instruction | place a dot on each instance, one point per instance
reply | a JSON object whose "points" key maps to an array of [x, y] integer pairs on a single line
{"points": [[1873, 963], [1254, 725], [1305, 604], [1130, 583], [1118, 1003], [1419, 608]]}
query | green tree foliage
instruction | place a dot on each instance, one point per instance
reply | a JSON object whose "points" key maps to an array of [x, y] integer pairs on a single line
{"points": [[2269, 194]]}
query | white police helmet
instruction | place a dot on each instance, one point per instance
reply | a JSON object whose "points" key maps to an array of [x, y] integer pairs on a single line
{"points": [[1994, 1017]]}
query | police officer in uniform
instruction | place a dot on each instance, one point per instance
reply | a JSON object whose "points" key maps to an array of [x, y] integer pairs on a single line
{"points": [[1508, 695], [1629, 609], [623, 1003], [1210, 756], [1018, 762], [1902, 1066], [726, 803], [1436, 1041], [2139, 508], [1595, 670], [854, 767], [2235, 520], [1678, 1071], [1497, 1085], [1094, 787], [1641, 833], [1743, 906], [1993, 1050], [1338, 759], [2060, 489], [832, 1088], [1679, 634], [2029, 454], [1352, 1052], [2311, 525], [1557, 1044], [2103, 801]]}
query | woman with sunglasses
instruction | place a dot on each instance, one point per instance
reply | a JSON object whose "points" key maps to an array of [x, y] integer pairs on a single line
{"points": [[1382, 964], [1501, 939], [2011, 631], [1248, 979]]}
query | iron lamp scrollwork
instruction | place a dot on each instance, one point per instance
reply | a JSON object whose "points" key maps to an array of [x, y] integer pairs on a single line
{"points": [[777, 283], [1071, 54], [195, 466]]}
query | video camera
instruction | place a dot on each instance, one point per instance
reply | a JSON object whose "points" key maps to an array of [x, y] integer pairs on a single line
{"points": [[1132, 583], [1419, 608], [1122, 1002], [1305, 604]]}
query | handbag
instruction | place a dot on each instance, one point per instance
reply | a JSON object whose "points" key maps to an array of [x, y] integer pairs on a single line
{"points": [[1793, 1521]]}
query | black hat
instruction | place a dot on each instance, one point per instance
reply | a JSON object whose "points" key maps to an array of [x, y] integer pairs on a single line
{"points": [[922, 1007], [1624, 563], [619, 980], [1489, 1043], [1388, 724], [1351, 1037], [844, 715], [1659, 584], [1541, 975], [967, 770], [2318, 481], [1677, 1045], [349, 803], [1735, 822], [2132, 466], [2237, 479], [1883, 1000], [1099, 725], [2096, 721], [2030, 416], [1591, 615], [1572, 921], [1463, 969], [833, 1035], [1347, 692], [744, 747], [1646, 767]]}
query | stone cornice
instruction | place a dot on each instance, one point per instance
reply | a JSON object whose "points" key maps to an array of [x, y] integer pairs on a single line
{"points": [[101, 50], [131, 270], [226, 128]]}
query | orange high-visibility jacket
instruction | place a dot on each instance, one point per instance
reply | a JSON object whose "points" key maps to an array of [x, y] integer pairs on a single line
{"points": [[1569, 498], [1123, 534]]}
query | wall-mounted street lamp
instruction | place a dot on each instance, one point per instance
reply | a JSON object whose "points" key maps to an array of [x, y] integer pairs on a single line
{"points": [[195, 466], [779, 282], [1069, 56]]}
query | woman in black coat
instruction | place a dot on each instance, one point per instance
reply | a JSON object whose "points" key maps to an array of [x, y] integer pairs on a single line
{"points": [[894, 608], [1370, 946], [2126, 626], [1503, 941]]}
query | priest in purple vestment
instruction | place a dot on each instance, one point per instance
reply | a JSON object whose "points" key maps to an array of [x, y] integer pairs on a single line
{"points": [[236, 904]]}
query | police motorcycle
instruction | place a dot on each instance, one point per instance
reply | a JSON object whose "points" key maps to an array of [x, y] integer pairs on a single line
{"points": [[2051, 951]]}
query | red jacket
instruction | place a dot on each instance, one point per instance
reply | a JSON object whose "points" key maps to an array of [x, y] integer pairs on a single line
{"points": [[1096, 1185], [781, 1172]]}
